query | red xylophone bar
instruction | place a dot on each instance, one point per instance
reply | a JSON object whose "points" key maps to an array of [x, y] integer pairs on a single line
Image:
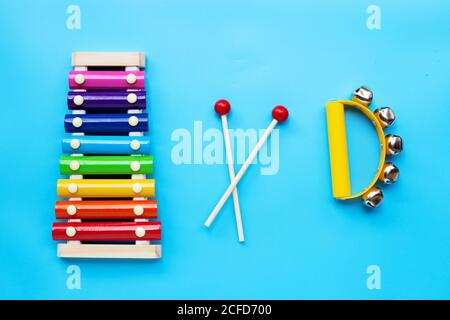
{"points": [[106, 231], [111, 209]]}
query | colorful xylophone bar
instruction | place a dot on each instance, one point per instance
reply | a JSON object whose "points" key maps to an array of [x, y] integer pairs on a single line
{"points": [[105, 231], [106, 145], [106, 165], [106, 80], [105, 188], [106, 123], [111, 209], [107, 126], [106, 100]]}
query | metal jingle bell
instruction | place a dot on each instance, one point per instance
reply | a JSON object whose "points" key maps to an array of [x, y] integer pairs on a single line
{"points": [[373, 198], [385, 115], [394, 144], [363, 95], [390, 173]]}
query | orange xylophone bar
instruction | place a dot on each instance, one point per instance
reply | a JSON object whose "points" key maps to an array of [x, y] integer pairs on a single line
{"points": [[106, 231], [111, 209]]}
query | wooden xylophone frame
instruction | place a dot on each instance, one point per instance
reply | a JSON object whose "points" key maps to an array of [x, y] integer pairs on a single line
{"points": [[141, 249]]}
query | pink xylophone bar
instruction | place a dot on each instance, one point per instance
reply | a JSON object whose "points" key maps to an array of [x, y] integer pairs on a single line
{"points": [[109, 80]]}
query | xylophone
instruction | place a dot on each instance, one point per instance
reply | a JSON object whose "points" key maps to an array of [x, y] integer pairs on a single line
{"points": [[107, 211], [390, 145]]}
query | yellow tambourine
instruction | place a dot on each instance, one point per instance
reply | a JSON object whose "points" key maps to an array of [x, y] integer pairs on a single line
{"points": [[337, 140]]}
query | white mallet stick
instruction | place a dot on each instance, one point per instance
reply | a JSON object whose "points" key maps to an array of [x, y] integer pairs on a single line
{"points": [[279, 114], [222, 107]]}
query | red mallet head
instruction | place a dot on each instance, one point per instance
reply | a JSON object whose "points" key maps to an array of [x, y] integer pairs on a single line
{"points": [[222, 107], [280, 113]]}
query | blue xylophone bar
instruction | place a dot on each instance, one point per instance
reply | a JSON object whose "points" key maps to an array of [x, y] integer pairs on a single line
{"points": [[106, 123], [106, 145]]}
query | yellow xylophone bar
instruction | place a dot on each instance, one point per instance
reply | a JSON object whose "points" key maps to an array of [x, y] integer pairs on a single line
{"points": [[106, 188], [337, 141]]}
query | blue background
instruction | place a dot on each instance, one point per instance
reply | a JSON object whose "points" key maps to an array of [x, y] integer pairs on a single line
{"points": [[301, 243]]}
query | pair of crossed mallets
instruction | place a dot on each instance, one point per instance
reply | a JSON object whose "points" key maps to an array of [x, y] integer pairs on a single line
{"points": [[222, 107]]}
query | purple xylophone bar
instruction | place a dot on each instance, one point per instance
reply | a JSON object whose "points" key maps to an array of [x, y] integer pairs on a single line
{"points": [[106, 100]]}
